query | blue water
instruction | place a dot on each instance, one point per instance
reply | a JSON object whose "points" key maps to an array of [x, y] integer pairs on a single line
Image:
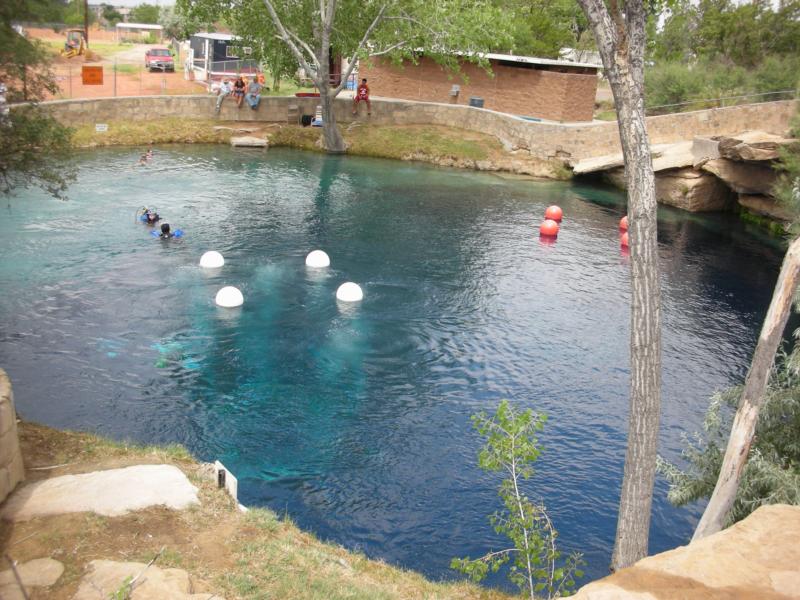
{"points": [[355, 421]]}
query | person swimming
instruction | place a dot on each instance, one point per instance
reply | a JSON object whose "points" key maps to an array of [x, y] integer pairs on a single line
{"points": [[148, 216], [151, 217], [167, 232]]}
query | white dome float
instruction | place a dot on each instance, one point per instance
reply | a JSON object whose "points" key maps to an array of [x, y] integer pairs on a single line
{"points": [[349, 292], [318, 259], [212, 260], [229, 297]]}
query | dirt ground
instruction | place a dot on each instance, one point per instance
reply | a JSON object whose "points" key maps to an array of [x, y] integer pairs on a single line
{"points": [[226, 552], [138, 83], [124, 73]]}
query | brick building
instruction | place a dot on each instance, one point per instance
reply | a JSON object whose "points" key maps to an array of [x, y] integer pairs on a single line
{"points": [[555, 90]]}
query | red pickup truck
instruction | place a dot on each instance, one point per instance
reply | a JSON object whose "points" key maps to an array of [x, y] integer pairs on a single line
{"points": [[159, 58]]}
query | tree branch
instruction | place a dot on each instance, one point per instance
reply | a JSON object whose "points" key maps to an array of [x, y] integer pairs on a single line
{"points": [[361, 44], [389, 49], [284, 35], [305, 46], [486, 557]]}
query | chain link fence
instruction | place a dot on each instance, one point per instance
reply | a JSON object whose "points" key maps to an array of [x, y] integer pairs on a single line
{"points": [[123, 79]]}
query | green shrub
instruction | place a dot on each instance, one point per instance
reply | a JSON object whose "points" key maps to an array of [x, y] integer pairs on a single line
{"points": [[772, 472], [777, 73], [672, 83]]}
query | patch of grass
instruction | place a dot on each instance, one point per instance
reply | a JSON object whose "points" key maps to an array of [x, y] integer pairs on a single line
{"points": [[405, 142], [128, 69], [70, 447], [398, 142], [304, 138], [161, 131]]}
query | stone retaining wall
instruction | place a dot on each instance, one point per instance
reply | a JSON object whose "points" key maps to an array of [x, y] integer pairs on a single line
{"points": [[544, 140], [11, 469]]}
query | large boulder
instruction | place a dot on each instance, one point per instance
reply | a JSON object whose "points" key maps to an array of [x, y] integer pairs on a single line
{"points": [[752, 146], [692, 190], [766, 206], [109, 579], [755, 559], [742, 177]]}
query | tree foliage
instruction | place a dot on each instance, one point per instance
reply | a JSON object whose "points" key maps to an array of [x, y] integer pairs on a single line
{"points": [[542, 28], [511, 448], [772, 473], [110, 14], [144, 13], [718, 48], [180, 25], [787, 186], [739, 33], [74, 13], [34, 144]]}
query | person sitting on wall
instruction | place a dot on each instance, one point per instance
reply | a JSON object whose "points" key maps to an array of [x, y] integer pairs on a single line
{"points": [[224, 90], [238, 91], [253, 95], [362, 95]]}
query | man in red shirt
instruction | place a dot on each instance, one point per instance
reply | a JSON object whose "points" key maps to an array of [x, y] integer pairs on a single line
{"points": [[362, 95]]}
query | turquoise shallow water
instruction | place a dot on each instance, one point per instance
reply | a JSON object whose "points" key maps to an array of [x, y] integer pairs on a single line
{"points": [[356, 421]]}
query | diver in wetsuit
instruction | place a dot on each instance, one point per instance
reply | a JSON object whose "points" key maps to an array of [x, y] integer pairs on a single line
{"points": [[151, 217], [165, 232]]}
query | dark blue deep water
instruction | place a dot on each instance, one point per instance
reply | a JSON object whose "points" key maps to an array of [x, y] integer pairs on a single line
{"points": [[356, 422]]}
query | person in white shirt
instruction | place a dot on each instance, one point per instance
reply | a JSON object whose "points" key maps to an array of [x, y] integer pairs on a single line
{"points": [[224, 90]]}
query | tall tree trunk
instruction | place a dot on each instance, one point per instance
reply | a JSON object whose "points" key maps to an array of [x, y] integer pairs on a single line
{"points": [[620, 35], [744, 424], [633, 522], [332, 137]]}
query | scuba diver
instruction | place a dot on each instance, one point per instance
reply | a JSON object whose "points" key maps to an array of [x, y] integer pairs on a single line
{"points": [[148, 216]]}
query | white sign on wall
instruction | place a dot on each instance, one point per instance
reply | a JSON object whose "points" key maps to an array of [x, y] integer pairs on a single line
{"points": [[101, 127]]}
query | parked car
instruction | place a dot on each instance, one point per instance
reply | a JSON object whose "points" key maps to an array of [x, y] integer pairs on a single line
{"points": [[159, 58]]}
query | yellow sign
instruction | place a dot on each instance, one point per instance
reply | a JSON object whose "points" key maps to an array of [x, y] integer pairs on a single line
{"points": [[92, 75]]}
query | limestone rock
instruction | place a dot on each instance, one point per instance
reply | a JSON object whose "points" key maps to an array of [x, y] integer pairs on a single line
{"points": [[673, 156], [765, 205], [692, 190], [616, 177], [105, 577], [113, 492], [704, 149], [39, 572], [752, 146], [742, 177], [758, 559]]}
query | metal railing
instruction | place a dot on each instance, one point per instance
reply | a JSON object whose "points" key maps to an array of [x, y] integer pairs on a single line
{"points": [[721, 102], [232, 67]]}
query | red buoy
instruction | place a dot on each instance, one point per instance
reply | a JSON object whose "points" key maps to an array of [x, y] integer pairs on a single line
{"points": [[623, 223], [554, 213], [623, 240], [549, 228]]}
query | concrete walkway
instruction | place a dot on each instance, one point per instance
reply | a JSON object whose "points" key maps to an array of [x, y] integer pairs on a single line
{"points": [[110, 493]]}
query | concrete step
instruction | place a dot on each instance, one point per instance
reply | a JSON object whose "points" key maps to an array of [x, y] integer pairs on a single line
{"points": [[248, 141]]}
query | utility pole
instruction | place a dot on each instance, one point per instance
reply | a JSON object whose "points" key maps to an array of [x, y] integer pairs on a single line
{"points": [[86, 21]]}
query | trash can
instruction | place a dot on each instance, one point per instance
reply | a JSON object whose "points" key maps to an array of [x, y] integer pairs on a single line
{"points": [[476, 102]]}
